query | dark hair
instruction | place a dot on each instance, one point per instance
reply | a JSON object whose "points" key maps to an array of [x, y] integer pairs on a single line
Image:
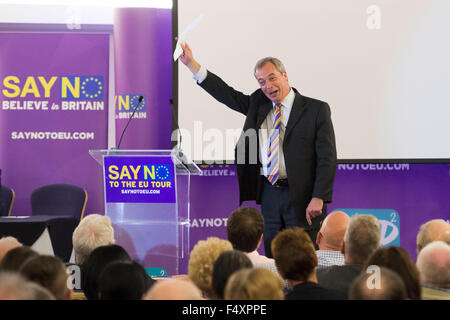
{"points": [[123, 281], [225, 265], [48, 271], [244, 229], [92, 267], [391, 287], [15, 258], [294, 254], [397, 259]]}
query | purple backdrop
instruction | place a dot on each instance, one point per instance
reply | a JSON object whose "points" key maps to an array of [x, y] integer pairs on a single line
{"points": [[418, 193], [143, 66], [44, 146]]}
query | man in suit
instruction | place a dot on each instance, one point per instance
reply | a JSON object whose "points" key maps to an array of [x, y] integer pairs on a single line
{"points": [[286, 155]]}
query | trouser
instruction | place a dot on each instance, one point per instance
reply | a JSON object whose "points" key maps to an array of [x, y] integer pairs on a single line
{"points": [[279, 214]]}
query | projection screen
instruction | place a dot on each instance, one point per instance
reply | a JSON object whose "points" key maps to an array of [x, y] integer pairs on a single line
{"points": [[383, 67]]}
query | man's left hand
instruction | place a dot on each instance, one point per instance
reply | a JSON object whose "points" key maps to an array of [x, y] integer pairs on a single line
{"points": [[314, 209]]}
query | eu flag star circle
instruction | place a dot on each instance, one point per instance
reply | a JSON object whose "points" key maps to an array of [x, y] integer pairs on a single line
{"points": [[91, 87], [162, 172]]}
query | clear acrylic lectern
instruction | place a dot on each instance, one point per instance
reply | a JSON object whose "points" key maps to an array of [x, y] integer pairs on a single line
{"points": [[147, 200]]}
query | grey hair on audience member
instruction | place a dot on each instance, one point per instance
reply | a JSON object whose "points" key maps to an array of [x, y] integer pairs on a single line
{"points": [[93, 231], [362, 238]]}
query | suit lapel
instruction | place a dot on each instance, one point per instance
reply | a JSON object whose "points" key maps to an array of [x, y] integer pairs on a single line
{"points": [[297, 110], [263, 111]]}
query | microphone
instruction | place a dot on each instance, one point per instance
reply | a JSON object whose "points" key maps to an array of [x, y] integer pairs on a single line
{"points": [[129, 120]]}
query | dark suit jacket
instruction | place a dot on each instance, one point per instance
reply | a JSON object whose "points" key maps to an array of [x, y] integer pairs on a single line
{"points": [[309, 146], [313, 291], [338, 277]]}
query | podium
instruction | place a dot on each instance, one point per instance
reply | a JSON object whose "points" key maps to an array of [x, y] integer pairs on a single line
{"points": [[147, 199]]}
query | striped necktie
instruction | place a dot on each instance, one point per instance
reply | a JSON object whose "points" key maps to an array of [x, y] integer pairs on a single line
{"points": [[274, 143]]}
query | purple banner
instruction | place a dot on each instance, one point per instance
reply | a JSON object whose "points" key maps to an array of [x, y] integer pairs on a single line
{"points": [[139, 179], [143, 67], [53, 96]]}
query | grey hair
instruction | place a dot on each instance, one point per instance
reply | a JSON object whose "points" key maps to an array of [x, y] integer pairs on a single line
{"points": [[424, 237], [275, 61], [94, 230], [362, 238]]}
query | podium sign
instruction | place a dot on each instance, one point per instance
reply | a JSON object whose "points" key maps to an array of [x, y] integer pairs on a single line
{"points": [[139, 179], [147, 200]]}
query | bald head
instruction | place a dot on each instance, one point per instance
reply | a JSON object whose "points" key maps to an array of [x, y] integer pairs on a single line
{"points": [[433, 230], [433, 263], [331, 234], [6, 244], [173, 289]]}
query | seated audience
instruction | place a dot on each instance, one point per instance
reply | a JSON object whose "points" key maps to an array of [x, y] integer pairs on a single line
{"points": [[93, 266], [296, 261], [433, 263], [6, 244], [14, 258], [123, 281], [50, 272], [93, 231], [436, 229], [254, 284], [330, 238], [201, 262], [398, 260], [227, 263], [361, 240], [173, 289], [389, 286]]}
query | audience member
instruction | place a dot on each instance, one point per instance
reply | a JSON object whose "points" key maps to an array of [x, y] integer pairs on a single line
{"points": [[173, 289], [296, 261], [93, 231], [6, 244], [123, 280], [226, 264], [436, 229], [201, 262], [50, 272], [14, 258], [254, 284], [398, 260], [330, 238], [361, 240], [93, 266], [245, 228], [433, 263], [389, 286]]}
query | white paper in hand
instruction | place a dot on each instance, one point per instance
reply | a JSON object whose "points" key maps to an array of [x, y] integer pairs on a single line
{"points": [[178, 50]]}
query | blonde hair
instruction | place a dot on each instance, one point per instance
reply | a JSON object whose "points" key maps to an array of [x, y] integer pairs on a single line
{"points": [[254, 284], [93, 231], [201, 262]]}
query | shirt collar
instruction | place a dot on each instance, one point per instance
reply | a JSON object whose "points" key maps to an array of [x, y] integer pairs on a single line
{"points": [[288, 100]]}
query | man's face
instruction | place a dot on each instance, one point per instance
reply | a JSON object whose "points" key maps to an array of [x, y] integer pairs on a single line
{"points": [[272, 82]]}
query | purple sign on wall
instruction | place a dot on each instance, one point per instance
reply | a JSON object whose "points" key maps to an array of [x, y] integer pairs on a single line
{"points": [[53, 109], [139, 179]]}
